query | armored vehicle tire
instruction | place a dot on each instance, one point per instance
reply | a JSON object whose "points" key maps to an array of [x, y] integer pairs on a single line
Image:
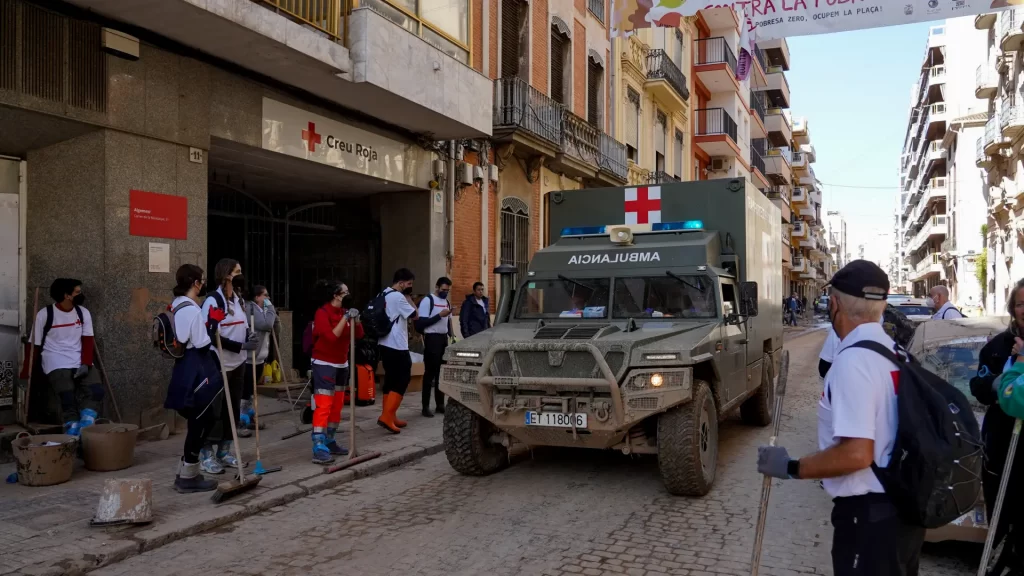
{"points": [[467, 442], [688, 444], [757, 410]]}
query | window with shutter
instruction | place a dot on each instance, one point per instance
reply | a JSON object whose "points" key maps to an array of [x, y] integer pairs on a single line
{"points": [[679, 49], [632, 125], [679, 155], [558, 45], [659, 141], [513, 38], [595, 76]]}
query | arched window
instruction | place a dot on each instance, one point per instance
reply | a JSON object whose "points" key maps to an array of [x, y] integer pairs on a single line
{"points": [[515, 234]]}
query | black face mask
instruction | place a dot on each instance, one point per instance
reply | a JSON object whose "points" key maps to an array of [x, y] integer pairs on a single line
{"points": [[202, 291], [443, 294], [407, 291], [78, 300], [238, 283]]}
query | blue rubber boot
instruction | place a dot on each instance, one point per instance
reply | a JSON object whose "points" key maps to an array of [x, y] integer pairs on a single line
{"points": [[321, 453], [333, 446], [72, 429], [87, 418]]}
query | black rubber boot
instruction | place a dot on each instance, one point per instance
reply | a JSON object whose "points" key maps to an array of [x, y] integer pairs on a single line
{"points": [[190, 480]]}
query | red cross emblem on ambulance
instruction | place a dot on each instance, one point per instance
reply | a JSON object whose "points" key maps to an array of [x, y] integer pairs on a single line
{"points": [[643, 205]]}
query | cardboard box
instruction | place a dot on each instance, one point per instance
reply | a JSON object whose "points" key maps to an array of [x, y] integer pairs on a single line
{"points": [[415, 383]]}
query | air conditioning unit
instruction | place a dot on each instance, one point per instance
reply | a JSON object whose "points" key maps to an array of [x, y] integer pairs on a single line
{"points": [[719, 164]]}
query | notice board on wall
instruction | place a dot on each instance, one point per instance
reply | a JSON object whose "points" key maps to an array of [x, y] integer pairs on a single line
{"points": [[157, 215]]}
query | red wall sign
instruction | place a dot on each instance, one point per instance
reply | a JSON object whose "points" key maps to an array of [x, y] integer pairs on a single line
{"points": [[157, 215]]}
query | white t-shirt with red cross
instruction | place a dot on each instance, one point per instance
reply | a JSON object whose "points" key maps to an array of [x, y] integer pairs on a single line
{"points": [[859, 401], [63, 348], [234, 326]]}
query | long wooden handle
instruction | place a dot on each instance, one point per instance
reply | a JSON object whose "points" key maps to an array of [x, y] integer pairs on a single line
{"points": [[352, 392], [993, 522], [231, 410], [31, 358], [255, 391], [766, 483]]}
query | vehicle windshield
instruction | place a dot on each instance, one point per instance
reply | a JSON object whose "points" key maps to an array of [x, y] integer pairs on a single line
{"points": [[564, 298], [665, 297], [956, 362], [915, 310]]}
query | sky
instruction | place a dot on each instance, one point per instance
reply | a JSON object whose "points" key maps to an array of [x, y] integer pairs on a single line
{"points": [[854, 89]]}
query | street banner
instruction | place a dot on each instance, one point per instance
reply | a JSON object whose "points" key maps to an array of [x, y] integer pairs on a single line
{"points": [[784, 18]]}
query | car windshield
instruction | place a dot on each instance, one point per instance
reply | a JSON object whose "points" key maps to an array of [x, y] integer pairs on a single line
{"points": [[915, 310], [564, 298], [665, 297], [956, 362]]}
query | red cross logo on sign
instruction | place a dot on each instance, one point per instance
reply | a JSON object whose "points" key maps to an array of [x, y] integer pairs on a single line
{"points": [[311, 137], [643, 205]]}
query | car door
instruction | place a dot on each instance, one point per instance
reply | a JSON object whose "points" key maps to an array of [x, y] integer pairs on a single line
{"points": [[734, 343]]}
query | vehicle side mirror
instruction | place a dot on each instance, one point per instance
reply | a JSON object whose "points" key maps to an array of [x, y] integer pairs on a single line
{"points": [[748, 299]]}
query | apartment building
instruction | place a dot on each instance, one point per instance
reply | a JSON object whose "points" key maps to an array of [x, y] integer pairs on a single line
{"points": [[835, 233], [999, 154], [811, 257], [938, 221]]}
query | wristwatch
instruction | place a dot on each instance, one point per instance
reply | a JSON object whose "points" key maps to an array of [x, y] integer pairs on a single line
{"points": [[793, 469]]}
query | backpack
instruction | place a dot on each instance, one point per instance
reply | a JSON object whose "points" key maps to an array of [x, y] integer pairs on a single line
{"points": [[164, 337], [898, 326], [48, 325], [376, 323], [307, 339], [934, 473]]}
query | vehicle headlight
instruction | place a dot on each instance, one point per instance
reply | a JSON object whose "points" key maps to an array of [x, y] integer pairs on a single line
{"points": [[467, 354], [656, 380]]}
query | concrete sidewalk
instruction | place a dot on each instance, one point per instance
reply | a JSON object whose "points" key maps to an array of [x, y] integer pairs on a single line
{"points": [[46, 530]]}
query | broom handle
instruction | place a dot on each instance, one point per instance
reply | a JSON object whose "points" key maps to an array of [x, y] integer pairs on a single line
{"points": [[993, 524], [231, 410], [255, 392], [352, 388], [31, 357], [284, 374]]}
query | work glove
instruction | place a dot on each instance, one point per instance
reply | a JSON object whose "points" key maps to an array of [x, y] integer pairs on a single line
{"points": [[352, 314], [217, 315], [773, 461], [82, 371], [251, 343]]}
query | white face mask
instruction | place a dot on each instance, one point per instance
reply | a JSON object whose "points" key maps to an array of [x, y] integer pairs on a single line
{"points": [[930, 302]]}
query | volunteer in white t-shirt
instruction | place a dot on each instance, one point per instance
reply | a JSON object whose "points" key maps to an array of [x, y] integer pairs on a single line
{"points": [[63, 333], [828, 351], [436, 326], [938, 300], [857, 422], [394, 348], [224, 311], [196, 385]]}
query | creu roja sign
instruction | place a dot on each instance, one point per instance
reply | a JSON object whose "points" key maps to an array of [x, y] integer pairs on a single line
{"points": [[616, 258], [362, 150]]}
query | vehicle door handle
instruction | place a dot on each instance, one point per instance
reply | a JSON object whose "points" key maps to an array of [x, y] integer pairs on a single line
{"points": [[743, 341]]}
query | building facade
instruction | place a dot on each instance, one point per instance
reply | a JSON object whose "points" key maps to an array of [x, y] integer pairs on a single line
{"points": [[940, 190], [999, 154]]}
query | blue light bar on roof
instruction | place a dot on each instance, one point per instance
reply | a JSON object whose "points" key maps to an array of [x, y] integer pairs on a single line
{"points": [[672, 226], [584, 231]]}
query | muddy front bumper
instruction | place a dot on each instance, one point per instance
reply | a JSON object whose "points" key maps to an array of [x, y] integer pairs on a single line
{"points": [[513, 380]]}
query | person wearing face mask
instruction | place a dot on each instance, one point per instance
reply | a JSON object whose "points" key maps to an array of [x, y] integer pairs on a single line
{"points": [[938, 300], [332, 325], [996, 357], [264, 317], [394, 348], [64, 335], [225, 314], [436, 326], [196, 383]]}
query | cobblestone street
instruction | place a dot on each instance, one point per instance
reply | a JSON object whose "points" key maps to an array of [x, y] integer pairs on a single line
{"points": [[562, 512]]}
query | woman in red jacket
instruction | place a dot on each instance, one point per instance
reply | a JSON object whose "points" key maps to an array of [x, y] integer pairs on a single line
{"points": [[331, 340]]}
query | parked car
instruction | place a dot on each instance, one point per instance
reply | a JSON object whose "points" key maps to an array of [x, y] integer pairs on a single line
{"points": [[914, 309], [950, 349]]}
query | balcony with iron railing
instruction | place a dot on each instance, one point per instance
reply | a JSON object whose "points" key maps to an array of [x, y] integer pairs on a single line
{"points": [[761, 59], [982, 159], [799, 229], [521, 109], [756, 160], [799, 162], [778, 193], [993, 136], [986, 81], [757, 104], [579, 143], [780, 131], [1010, 34], [777, 88], [713, 51], [659, 177], [937, 74], [612, 158], [1011, 118], [665, 79], [779, 167], [716, 132]]}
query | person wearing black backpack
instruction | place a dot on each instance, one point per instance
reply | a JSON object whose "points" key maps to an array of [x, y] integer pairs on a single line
{"points": [[857, 428], [435, 323], [995, 358], [64, 335], [393, 343]]}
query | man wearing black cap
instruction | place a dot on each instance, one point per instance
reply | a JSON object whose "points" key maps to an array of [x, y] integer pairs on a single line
{"points": [[857, 422]]}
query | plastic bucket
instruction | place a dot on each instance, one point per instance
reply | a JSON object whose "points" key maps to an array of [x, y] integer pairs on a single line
{"points": [[44, 460], [109, 447]]}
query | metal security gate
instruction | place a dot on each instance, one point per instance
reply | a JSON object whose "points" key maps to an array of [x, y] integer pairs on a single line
{"points": [[515, 234]]}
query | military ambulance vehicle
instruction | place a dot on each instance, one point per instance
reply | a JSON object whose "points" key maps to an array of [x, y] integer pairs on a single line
{"points": [[654, 312]]}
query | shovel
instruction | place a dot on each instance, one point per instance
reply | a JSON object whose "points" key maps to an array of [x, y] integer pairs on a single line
{"points": [[766, 484]]}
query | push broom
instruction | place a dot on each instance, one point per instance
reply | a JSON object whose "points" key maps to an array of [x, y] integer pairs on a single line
{"points": [[230, 488], [258, 470], [766, 486]]}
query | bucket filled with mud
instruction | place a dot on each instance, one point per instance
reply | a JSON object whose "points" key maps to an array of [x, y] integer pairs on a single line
{"points": [[45, 459], [109, 447]]}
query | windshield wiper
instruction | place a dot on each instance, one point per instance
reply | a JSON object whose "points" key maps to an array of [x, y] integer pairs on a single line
{"points": [[581, 284], [699, 287]]}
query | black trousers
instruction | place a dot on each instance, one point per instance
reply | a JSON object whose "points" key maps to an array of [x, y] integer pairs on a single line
{"points": [[221, 431], [248, 384], [433, 354], [200, 424], [870, 538], [397, 369]]}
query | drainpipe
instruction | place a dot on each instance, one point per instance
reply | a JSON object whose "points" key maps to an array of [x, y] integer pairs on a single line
{"points": [[486, 52], [612, 103], [451, 202], [484, 206]]}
